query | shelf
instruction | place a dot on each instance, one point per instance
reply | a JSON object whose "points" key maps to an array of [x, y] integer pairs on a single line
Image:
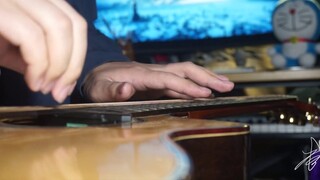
{"points": [[301, 77]]}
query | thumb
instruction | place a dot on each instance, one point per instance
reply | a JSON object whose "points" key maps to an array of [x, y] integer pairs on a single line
{"points": [[108, 91]]}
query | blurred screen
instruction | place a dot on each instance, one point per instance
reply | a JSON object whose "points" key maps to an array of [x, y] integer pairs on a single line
{"points": [[171, 20]]}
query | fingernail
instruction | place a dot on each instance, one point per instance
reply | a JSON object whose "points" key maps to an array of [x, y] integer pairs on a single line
{"points": [[205, 90], [38, 85], [223, 78], [47, 88], [61, 96], [71, 88]]}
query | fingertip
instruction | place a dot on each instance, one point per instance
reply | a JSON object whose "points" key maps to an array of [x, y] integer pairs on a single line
{"points": [[124, 92], [230, 85], [61, 93], [34, 76], [205, 90], [227, 86], [71, 88], [34, 84], [45, 89]]}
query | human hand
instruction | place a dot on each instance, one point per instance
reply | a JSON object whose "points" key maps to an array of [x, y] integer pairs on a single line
{"points": [[45, 41], [121, 81]]}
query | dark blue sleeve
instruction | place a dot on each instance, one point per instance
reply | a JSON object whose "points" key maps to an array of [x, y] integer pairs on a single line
{"points": [[100, 48]]}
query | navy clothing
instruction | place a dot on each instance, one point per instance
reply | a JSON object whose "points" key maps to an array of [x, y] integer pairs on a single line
{"points": [[13, 89]]}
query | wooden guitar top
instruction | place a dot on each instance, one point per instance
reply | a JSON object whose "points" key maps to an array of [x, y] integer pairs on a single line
{"points": [[156, 144], [147, 150]]}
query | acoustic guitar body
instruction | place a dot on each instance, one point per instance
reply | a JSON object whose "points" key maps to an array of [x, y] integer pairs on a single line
{"points": [[161, 147], [163, 140]]}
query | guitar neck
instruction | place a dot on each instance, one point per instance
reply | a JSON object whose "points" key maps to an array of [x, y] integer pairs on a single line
{"points": [[124, 113]]}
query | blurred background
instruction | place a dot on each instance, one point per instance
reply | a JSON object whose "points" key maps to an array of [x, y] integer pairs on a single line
{"points": [[229, 37]]}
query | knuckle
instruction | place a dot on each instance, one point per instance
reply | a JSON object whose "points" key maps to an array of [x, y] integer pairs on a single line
{"points": [[34, 34], [52, 75], [63, 24], [32, 45], [81, 23], [138, 69], [188, 64]]}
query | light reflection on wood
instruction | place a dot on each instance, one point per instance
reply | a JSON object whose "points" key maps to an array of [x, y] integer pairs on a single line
{"points": [[96, 153]]}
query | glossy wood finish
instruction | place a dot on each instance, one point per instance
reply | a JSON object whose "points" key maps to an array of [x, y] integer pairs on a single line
{"points": [[175, 146], [146, 150], [224, 157]]}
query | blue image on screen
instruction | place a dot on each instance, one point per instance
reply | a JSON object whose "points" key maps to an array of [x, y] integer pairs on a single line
{"points": [[170, 20]]}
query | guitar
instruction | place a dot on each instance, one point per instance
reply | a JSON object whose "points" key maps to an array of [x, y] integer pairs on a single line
{"points": [[131, 140]]}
